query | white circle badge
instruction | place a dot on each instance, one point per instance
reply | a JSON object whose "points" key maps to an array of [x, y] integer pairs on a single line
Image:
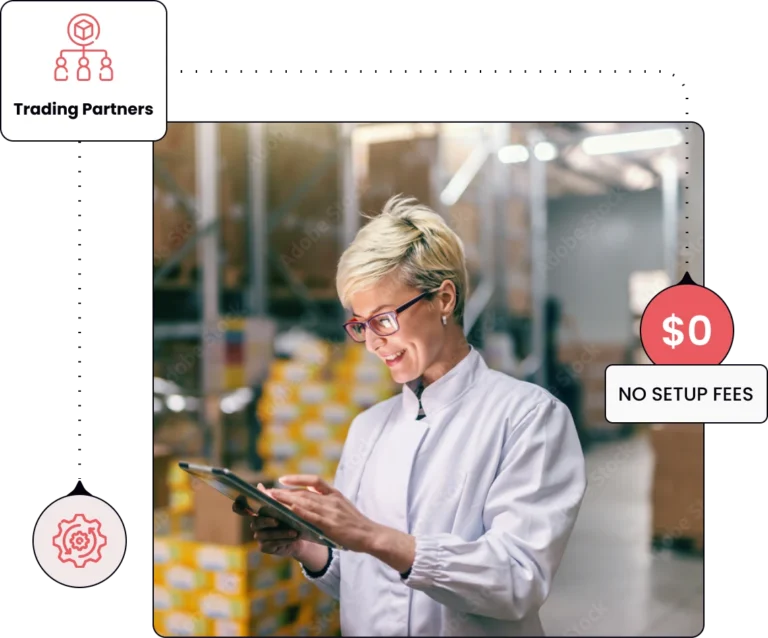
{"points": [[79, 540]]}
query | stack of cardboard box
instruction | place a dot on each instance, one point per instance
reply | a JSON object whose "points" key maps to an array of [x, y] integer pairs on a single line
{"points": [[678, 482], [589, 361], [307, 407], [218, 583]]}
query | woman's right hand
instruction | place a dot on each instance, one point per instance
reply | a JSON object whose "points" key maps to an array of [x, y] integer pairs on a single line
{"points": [[274, 537]]}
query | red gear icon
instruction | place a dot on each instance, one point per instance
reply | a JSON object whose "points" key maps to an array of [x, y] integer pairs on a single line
{"points": [[79, 540]]}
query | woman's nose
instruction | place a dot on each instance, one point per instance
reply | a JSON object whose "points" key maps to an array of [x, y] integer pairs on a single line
{"points": [[372, 340]]}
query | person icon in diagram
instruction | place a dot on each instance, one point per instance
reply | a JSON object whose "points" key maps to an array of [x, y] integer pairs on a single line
{"points": [[83, 72], [105, 73], [60, 74]]}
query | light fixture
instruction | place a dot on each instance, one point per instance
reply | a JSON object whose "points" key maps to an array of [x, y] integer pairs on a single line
{"points": [[514, 154], [630, 142], [176, 403], [464, 176], [545, 151], [638, 178]]}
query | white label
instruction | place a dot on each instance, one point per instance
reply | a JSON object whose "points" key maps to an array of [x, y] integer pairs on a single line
{"points": [[226, 628], [180, 625], [310, 466], [364, 395], [214, 606], [368, 373], [283, 449], [313, 393], [296, 372], [332, 450], [315, 432], [336, 413], [162, 552], [285, 412], [181, 577], [228, 583], [162, 598], [686, 394], [209, 558]]}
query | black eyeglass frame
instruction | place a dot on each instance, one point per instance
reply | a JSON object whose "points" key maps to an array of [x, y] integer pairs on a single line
{"points": [[392, 315]]}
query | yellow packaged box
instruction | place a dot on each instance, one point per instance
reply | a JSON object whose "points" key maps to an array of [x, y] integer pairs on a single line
{"points": [[294, 371], [161, 522], [178, 623], [265, 602], [173, 549], [271, 412], [169, 599], [181, 577], [181, 500], [268, 626], [225, 557]]}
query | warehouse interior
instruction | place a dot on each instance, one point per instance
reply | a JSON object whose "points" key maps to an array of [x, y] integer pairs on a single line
{"points": [[569, 230]]}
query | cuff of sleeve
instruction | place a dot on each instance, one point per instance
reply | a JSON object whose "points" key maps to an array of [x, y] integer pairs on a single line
{"points": [[323, 571], [426, 565]]}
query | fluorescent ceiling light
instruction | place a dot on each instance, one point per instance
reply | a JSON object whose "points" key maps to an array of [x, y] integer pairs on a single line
{"points": [[638, 178], [464, 176], [176, 403], [629, 142], [377, 133], [513, 154], [545, 151]]}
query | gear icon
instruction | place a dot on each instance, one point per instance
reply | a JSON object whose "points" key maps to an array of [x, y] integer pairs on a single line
{"points": [[79, 540]]}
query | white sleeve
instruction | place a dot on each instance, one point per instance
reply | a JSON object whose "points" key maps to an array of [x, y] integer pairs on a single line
{"points": [[329, 581], [331, 577], [529, 514]]}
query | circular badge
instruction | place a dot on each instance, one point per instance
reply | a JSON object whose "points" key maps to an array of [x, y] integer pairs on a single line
{"points": [[687, 324], [79, 540], [83, 29]]}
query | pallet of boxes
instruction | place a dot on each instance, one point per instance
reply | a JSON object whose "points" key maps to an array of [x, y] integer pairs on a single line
{"points": [[214, 581], [678, 486], [309, 402]]}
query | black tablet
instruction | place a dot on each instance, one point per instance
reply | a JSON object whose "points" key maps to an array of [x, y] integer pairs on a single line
{"points": [[232, 486]]}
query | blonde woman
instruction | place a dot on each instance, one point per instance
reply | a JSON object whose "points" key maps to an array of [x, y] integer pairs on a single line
{"points": [[455, 499]]}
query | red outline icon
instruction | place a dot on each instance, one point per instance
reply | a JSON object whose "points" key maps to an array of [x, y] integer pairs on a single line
{"points": [[80, 541], [83, 29]]}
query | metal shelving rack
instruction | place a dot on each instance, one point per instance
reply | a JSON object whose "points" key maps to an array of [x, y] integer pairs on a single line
{"points": [[488, 184]]}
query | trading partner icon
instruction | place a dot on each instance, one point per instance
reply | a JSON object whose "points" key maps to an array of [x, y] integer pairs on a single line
{"points": [[83, 30], [79, 541]]}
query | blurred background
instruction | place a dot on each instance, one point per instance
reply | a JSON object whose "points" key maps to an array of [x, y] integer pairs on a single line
{"points": [[569, 229]]}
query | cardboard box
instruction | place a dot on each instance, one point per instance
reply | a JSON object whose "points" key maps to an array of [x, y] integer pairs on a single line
{"points": [[177, 623], [678, 484], [160, 470], [214, 520]]}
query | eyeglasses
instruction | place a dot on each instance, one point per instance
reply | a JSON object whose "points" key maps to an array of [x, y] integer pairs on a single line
{"points": [[384, 324]]}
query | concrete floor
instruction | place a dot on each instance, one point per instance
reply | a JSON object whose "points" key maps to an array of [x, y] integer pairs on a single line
{"points": [[610, 582]]}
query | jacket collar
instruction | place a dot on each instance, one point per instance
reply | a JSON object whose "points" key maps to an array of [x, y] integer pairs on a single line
{"points": [[446, 389]]}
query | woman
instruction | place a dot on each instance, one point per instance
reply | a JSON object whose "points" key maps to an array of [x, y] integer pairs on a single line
{"points": [[455, 499]]}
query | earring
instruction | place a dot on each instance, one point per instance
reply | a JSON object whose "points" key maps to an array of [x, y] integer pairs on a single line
{"points": [[445, 321]]}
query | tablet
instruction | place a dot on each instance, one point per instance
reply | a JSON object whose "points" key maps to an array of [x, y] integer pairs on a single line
{"points": [[232, 486]]}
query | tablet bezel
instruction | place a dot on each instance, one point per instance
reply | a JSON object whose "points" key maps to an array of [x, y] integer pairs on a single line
{"points": [[213, 475]]}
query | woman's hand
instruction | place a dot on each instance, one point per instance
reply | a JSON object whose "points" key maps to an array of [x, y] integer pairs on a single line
{"points": [[330, 511], [273, 536]]}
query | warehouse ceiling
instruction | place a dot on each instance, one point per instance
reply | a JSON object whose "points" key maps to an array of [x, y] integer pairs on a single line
{"points": [[573, 172]]}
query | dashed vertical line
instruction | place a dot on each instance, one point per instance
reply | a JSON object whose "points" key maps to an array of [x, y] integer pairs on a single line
{"points": [[79, 289]]}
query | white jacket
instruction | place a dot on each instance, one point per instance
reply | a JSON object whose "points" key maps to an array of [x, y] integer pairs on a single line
{"points": [[489, 483]]}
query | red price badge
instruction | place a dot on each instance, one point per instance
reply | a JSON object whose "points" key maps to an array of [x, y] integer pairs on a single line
{"points": [[687, 324], [689, 330]]}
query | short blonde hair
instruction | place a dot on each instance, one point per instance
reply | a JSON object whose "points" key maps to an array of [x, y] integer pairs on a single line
{"points": [[411, 241]]}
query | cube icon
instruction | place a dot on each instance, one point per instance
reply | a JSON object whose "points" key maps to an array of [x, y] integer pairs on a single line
{"points": [[83, 30]]}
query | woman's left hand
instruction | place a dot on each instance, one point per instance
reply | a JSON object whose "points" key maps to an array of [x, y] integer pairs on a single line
{"points": [[329, 510]]}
